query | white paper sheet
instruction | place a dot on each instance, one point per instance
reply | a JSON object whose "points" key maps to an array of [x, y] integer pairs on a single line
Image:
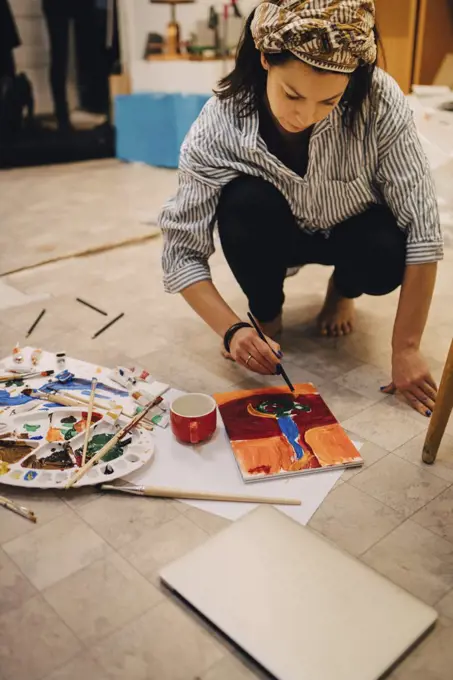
{"points": [[212, 467]]}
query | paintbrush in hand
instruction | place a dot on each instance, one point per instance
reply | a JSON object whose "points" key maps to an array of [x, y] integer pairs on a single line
{"points": [[110, 444], [280, 370]]}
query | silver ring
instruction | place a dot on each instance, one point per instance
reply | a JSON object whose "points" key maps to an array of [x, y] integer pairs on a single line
{"points": [[247, 362]]}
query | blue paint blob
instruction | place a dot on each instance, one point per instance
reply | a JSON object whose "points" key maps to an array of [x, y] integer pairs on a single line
{"points": [[290, 430]]}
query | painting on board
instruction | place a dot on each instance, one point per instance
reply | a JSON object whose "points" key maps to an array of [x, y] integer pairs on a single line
{"points": [[276, 433]]}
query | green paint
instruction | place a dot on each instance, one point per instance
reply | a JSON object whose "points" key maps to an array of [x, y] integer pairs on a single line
{"points": [[31, 428], [281, 406], [96, 443]]}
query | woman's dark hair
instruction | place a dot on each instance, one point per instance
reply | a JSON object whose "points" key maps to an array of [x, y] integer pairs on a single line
{"points": [[247, 81]]}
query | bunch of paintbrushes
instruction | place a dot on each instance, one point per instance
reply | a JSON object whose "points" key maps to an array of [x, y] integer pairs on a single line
{"points": [[67, 399], [110, 444]]}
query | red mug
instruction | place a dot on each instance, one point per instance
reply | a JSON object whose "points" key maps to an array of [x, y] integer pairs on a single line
{"points": [[193, 418]]}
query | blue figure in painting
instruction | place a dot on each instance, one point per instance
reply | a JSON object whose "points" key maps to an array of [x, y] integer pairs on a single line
{"points": [[282, 408]]}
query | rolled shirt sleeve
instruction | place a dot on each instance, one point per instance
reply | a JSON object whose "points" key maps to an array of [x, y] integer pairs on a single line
{"points": [[405, 180], [187, 225]]}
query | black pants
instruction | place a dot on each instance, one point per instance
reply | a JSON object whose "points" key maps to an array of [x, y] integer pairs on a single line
{"points": [[89, 52], [260, 240]]}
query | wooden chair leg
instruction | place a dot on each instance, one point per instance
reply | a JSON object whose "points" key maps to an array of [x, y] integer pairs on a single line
{"points": [[442, 411]]}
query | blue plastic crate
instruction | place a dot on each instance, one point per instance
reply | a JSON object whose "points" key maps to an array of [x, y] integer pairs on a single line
{"points": [[150, 127]]}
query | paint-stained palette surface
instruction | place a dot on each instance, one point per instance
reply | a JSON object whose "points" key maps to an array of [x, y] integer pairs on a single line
{"points": [[276, 433], [48, 462]]}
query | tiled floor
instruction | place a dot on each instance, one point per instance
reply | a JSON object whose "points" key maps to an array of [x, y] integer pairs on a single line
{"points": [[79, 595]]}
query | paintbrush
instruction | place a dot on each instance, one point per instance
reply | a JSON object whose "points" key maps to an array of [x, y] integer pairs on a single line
{"points": [[110, 444], [110, 323], [88, 424], [82, 401], [280, 370], [25, 376], [35, 323], [88, 304], [54, 398], [18, 509], [157, 492]]}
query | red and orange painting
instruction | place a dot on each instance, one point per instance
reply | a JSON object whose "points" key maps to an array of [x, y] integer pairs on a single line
{"points": [[277, 433]]}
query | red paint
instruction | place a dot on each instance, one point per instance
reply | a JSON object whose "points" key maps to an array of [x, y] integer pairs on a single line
{"points": [[241, 426], [261, 468], [194, 429]]}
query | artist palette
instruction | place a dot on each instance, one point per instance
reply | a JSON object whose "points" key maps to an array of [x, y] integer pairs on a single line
{"points": [[50, 461]]}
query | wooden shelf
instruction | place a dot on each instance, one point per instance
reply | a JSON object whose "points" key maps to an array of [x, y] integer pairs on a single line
{"points": [[183, 57]]}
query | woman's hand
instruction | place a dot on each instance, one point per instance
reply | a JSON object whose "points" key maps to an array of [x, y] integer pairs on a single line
{"points": [[411, 377], [247, 349]]}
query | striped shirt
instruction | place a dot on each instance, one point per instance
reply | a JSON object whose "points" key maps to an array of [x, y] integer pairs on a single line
{"points": [[346, 175]]}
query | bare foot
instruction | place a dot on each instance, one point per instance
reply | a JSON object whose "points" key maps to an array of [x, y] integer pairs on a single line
{"points": [[271, 329], [337, 315]]}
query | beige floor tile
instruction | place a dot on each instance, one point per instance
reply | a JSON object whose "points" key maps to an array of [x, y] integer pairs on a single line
{"points": [[438, 515], [45, 504], [79, 668], [343, 402], [328, 361], [230, 668], [365, 380], [167, 643], [15, 589], [122, 520], [34, 641], [102, 597], [399, 403], [157, 547], [384, 426], [76, 498], [415, 559], [56, 550], [210, 523], [353, 520], [398, 484], [432, 659], [445, 606], [443, 467], [297, 375], [370, 454]]}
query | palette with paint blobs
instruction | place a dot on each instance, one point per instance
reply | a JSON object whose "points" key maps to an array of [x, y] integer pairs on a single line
{"points": [[45, 449]]}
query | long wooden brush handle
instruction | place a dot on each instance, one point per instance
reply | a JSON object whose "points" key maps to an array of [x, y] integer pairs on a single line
{"points": [[106, 448], [158, 492], [94, 382], [208, 496], [83, 470], [55, 399]]}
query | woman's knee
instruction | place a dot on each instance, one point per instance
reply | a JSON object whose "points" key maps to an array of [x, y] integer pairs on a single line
{"points": [[252, 202], [385, 262]]}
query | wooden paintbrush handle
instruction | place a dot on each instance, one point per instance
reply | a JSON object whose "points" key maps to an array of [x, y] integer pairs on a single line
{"points": [[100, 454], [208, 496]]}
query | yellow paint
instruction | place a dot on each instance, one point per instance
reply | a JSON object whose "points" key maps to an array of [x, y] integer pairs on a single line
{"points": [[4, 467]]}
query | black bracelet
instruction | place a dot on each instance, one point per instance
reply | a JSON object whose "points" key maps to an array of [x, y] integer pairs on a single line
{"points": [[227, 338]]}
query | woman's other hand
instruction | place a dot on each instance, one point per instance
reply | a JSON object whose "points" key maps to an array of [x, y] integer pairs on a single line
{"points": [[247, 349], [411, 377]]}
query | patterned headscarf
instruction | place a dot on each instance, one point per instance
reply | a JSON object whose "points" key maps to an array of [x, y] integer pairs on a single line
{"points": [[336, 35]]}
